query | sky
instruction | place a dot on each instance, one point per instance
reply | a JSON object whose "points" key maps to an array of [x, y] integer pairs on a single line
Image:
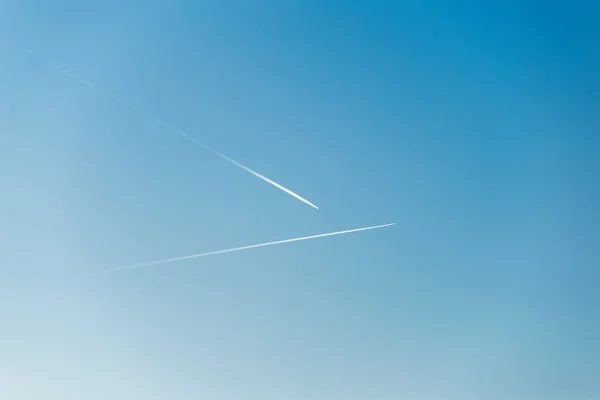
{"points": [[472, 125]]}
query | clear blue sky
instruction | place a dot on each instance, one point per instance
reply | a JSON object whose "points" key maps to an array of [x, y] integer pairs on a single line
{"points": [[473, 126]]}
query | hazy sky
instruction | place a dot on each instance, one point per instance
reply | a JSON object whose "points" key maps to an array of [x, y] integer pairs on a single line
{"points": [[473, 125]]}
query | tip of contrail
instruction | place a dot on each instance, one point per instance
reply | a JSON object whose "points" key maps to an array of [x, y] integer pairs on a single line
{"points": [[251, 171]]}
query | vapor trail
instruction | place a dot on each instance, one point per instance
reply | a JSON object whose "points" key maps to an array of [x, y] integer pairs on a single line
{"points": [[237, 164], [213, 253], [179, 132]]}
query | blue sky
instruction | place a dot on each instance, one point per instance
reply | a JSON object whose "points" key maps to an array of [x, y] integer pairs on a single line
{"points": [[472, 126]]}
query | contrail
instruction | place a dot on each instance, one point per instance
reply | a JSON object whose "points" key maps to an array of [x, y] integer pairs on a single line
{"points": [[213, 253], [179, 132], [237, 164]]}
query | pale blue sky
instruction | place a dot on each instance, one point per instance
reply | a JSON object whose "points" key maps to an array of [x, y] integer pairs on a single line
{"points": [[474, 127]]}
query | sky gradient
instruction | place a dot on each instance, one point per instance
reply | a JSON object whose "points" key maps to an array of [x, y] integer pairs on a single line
{"points": [[473, 127]]}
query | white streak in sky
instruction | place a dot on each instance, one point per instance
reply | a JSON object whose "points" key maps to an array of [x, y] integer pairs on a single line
{"points": [[213, 253], [183, 134], [245, 168]]}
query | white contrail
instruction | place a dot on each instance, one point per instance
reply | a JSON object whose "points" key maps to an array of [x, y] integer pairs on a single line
{"points": [[183, 134], [245, 168], [212, 253]]}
